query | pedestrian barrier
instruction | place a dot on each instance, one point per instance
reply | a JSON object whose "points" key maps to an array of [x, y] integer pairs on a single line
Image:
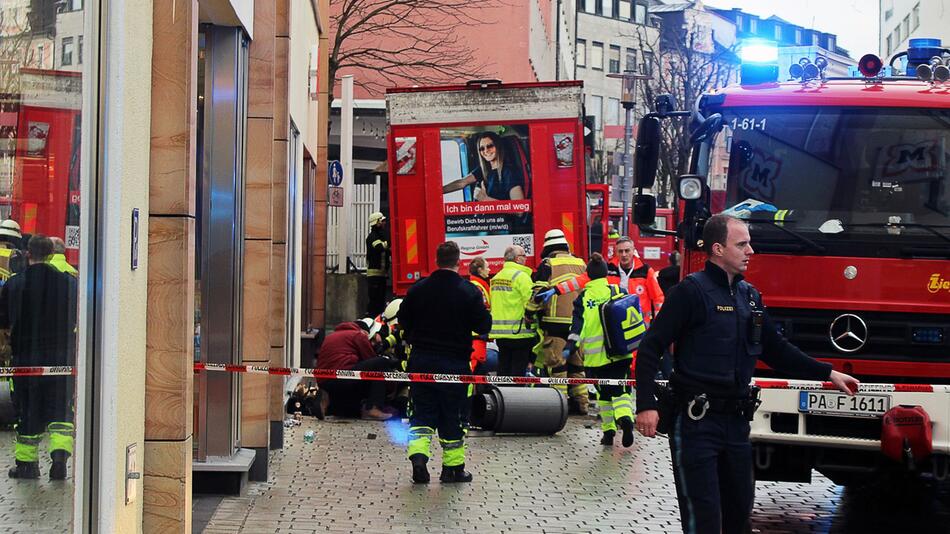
{"points": [[329, 374]]}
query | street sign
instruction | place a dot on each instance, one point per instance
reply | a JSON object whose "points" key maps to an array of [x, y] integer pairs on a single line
{"points": [[335, 173], [335, 197]]}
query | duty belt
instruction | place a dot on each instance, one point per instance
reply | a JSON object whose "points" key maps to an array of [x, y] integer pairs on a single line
{"points": [[697, 406]]}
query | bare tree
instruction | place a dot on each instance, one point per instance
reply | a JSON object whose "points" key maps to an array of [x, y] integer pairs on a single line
{"points": [[428, 48], [688, 63]]}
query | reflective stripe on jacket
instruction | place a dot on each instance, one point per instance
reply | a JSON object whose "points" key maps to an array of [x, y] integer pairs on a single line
{"points": [[510, 292], [591, 336]]}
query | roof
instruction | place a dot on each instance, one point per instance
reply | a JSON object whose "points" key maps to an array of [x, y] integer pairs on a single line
{"points": [[850, 92]]}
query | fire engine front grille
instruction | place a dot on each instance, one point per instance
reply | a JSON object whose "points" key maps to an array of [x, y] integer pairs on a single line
{"points": [[889, 335]]}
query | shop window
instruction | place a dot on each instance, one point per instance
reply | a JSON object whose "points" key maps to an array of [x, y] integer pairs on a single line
{"points": [[45, 170]]}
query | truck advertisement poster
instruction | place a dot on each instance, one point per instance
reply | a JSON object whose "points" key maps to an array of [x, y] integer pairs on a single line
{"points": [[486, 190]]}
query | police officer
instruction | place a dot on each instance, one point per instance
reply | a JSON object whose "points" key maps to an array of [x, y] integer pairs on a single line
{"points": [[439, 315], [721, 329], [377, 250]]}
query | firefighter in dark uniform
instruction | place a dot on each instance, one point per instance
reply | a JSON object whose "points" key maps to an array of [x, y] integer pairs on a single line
{"points": [[720, 328], [377, 255], [438, 316], [38, 305]]}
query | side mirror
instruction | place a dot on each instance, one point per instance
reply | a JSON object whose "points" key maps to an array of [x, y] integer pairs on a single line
{"points": [[648, 152], [644, 210], [690, 187], [712, 124]]}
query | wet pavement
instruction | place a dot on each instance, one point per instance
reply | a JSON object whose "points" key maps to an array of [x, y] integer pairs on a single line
{"points": [[354, 478], [33, 506]]}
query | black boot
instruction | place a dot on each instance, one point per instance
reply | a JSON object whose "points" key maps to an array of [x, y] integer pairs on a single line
{"points": [[420, 473], [455, 473], [608, 438], [626, 426], [25, 470], [58, 470]]}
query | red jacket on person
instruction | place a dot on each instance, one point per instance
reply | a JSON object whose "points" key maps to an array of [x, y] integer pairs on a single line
{"points": [[642, 282], [347, 345]]}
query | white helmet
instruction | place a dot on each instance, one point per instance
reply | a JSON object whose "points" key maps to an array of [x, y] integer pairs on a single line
{"points": [[376, 218], [555, 237], [391, 312], [10, 228], [370, 326]]}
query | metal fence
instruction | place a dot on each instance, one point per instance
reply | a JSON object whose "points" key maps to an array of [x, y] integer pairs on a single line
{"points": [[365, 201]]}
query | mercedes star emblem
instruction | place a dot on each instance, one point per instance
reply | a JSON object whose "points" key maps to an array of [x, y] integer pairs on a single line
{"points": [[848, 332], [850, 272]]}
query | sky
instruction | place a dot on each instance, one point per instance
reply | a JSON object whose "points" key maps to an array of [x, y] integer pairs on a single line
{"points": [[855, 22]]}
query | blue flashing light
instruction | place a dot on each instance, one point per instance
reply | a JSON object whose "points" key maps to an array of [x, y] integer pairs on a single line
{"points": [[927, 334], [759, 62], [919, 52], [758, 51]]}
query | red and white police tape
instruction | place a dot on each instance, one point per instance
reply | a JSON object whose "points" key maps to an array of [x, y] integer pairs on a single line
{"points": [[764, 383]]}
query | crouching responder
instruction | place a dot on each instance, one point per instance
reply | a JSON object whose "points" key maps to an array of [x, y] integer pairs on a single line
{"points": [[39, 307], [587, 332], [558, 266], [439, 315]]}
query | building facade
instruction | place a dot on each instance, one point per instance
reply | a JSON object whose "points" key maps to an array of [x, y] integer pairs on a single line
{"points": [[179, 153], [795, 43], [612, 37], [902, 20]]}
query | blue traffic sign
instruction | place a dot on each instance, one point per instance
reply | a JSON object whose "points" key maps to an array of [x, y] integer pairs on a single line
{"points": [[335, 173]]}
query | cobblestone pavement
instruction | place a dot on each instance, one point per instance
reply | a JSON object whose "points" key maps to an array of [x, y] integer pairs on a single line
{"points": [[33, 506], [354, 478]]}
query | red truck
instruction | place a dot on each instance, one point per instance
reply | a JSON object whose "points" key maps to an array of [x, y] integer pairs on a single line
{"points": [[487, 165], [654, 248], [845, 184]]}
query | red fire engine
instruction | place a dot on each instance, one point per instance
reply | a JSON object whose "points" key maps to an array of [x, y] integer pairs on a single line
{"points": [[845, 184]]}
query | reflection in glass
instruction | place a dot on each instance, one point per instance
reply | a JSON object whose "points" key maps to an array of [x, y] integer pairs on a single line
{"points": [[41, 49]]}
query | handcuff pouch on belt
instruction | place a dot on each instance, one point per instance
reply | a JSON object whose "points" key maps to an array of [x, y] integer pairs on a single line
{"points": [[697, 406]]}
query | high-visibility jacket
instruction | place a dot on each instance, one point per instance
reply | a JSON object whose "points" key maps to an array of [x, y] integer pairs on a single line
{"points": [[590, 334], [377, 245], [11, 262], [558, 309], [510, 293], [63, 266]]}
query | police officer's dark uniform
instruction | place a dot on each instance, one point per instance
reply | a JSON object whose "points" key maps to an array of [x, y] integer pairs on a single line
{"points": [[438, 316], [720, 331]]}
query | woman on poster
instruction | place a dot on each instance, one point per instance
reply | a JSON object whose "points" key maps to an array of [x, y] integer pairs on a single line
{"points": [[494, 180]]}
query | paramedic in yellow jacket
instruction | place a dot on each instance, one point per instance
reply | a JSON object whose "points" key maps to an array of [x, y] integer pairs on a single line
{"points": [[559, 265], [510, 292], [587, 335]]}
